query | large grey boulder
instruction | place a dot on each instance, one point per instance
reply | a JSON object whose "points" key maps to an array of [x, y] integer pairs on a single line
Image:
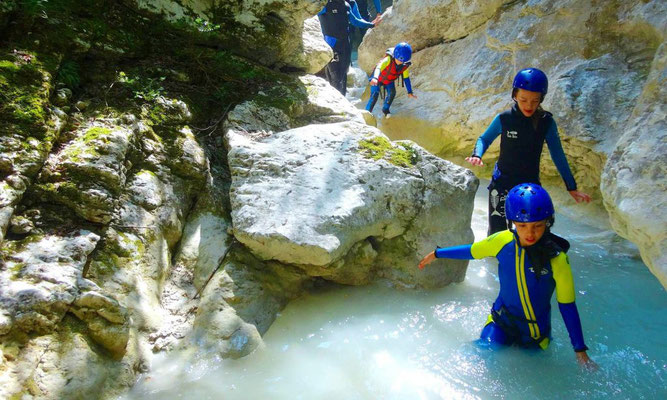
{"points": [[316, 197]]}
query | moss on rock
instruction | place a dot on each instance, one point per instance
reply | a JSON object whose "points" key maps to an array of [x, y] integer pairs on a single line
{"points": [[378, 147]]}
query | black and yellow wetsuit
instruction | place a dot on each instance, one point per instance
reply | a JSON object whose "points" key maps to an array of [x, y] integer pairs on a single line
{"points": [[522, 312]]}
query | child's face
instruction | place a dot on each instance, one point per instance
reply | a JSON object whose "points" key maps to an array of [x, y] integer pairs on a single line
{"points": [[399, 62], [528, 101], [530, 232]]}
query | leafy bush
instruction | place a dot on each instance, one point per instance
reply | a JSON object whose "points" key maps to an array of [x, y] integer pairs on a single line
{"points": [[69, 74]]}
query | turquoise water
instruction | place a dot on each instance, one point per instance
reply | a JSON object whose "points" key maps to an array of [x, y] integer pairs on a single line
{"points": [[380, 343]]}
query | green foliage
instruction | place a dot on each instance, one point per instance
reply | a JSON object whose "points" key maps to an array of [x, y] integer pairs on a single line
{"points": [[143, 88], [29, 7], [203, 25], [69, 74]]}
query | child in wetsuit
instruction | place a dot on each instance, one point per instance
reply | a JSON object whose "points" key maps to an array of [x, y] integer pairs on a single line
{"points": [[524, 129], [532, 263], [395, 64]]}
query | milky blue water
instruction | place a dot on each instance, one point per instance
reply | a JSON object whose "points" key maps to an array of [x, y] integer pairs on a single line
{"points": [[380, 343]]}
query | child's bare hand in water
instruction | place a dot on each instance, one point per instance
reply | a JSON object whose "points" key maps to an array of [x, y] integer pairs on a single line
{"points": [[585, 361]]}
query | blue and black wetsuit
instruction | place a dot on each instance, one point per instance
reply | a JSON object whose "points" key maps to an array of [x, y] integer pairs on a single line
{"points": [[520, 151], [365, 13], [335, 18], [528, 277]]}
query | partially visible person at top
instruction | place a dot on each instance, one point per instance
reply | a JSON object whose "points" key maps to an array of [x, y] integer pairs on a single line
{"points": [[532, 263], [363, 8], [395, 64], [524, 129], [364, 12], [335, 18]]}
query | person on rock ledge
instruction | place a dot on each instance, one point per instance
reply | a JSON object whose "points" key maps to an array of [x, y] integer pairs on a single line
{"points": [[335, 19], [524, 129], [395, 64], [532, 263]]}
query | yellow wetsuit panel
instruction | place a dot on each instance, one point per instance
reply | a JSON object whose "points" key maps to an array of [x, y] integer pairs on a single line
{"points": [[562, 273], [490, 246]]}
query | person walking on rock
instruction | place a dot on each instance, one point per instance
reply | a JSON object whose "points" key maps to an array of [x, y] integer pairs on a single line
{"points": [[395, 64], [532, 263], [335, 18], [524, 129]]}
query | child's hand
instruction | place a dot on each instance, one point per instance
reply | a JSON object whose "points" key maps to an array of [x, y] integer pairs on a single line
{"points": [[476, 161], [427, 260], [374, 82], [412, 95], [580, 196], [585, 361]]}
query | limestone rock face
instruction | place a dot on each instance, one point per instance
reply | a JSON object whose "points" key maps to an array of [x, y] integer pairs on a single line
{"points": [[137, 178], [598, 57], [424, 24], [633, 181], [311, 197], [42, 283]]}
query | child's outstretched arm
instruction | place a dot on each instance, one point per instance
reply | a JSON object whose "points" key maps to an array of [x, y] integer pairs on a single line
{"points": [[457, 252], [488, 247]]}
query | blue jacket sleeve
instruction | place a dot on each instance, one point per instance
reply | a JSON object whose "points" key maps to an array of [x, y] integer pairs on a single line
{"points": [[573, 325], [355, 17], [378, 6], [408, 86], [483, 142], [457, 252], [558, 156]]}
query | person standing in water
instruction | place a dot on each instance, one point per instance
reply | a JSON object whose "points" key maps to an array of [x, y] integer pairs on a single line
{"points": [[532, 263], [524, 129], [394, 65]]}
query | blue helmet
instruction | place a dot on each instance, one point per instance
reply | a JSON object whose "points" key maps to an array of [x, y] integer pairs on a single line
{"points": [[531, 79], [528, 202], [403, 52]]}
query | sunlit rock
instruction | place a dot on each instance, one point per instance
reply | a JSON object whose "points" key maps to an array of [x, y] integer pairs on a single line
{"points": [[307, 196], [633, 181], [87, 174], [316, 52]]}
